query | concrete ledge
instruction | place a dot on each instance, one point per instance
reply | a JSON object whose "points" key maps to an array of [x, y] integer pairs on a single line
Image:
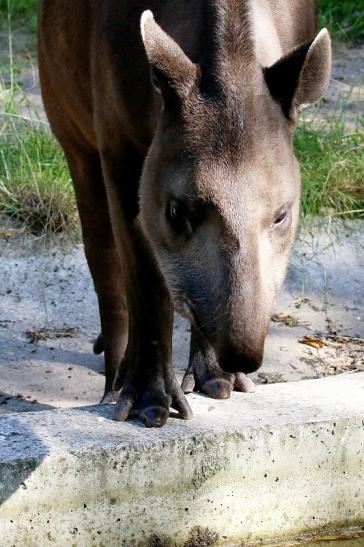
{"points": [[285, 461]]}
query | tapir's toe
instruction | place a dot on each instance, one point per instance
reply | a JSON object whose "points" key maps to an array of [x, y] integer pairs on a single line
{"points": [[188, 382], [109, 397], [243, 383], [217, 388], [154, 416], [180, 404], [123, 407]]}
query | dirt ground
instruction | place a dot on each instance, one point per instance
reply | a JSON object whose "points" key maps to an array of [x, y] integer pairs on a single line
{"points": [[49, 318]]}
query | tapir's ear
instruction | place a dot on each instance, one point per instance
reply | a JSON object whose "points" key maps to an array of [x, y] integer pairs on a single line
{"points": [[301, 77], [172, 71]]}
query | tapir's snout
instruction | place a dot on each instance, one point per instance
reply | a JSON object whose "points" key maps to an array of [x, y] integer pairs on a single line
{"points": [[240, 359], [232, 312]]}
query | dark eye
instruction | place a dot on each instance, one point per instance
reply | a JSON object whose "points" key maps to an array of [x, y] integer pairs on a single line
{"points": [[177, 215], [175, 211], [281, 218]]}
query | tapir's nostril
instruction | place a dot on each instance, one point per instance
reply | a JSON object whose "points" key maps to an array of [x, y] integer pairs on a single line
{"points": [[246, 361]]}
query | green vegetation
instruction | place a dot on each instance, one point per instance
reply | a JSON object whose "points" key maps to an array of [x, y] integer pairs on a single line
{"points": [[18, 22], [332, 165], [23, 14], [21, 7], [345, 18], [35, 185]]}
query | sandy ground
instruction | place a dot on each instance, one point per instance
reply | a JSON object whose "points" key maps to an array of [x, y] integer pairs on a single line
{"points": [[48, 318]]}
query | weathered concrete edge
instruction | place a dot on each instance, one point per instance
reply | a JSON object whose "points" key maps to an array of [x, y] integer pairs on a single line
{"points": [[286, 461]]}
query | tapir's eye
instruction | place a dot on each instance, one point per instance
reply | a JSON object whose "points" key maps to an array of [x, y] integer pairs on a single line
{"points": [[281, 219], [177, 215], [175, 211]]}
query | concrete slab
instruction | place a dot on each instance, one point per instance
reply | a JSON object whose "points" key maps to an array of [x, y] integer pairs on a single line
{"points": [[285, 461]]}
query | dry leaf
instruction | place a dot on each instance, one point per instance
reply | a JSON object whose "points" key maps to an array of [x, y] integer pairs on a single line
{"points": [[288, 320], [316, 343], [7, 233]]}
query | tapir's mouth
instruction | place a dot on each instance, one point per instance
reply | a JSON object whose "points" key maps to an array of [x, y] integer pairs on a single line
{"points": [[231, 359], [241, 359], [192, 314], [186, 309]]}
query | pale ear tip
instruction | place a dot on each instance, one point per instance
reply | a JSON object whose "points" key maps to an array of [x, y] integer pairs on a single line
{"points": [[146, 16], [323, 34]]}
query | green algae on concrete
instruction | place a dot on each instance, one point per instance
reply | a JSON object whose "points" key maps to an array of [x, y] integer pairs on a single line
{"points": [[274, 465]]}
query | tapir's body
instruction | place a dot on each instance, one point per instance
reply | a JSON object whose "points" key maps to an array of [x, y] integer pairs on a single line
{"points": [[193, 233]]}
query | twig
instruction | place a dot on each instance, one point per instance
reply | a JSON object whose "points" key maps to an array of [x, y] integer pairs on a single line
{"points": [[338, 337]]}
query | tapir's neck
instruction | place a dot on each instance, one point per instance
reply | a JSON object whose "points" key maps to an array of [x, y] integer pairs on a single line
{"points": [[267, 43], [229, 47], [240, 35]]}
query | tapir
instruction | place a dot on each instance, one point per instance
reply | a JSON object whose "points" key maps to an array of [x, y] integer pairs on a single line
{"points": [[177, 119]]}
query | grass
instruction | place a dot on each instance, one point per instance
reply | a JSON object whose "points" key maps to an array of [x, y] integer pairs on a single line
{"points": [[35, 186], [345, 18], [332, 165], [23, 13]]}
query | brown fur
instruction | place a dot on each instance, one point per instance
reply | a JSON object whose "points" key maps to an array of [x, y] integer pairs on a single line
{"points": [[181, 178]]}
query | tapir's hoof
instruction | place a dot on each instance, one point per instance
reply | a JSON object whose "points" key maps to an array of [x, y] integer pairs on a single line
{"points": [[98, 346], [219, 384], [243, 383], [221, 388], [217, 388], [154, 412], [188, 383], [109, 397], [154, 416]]}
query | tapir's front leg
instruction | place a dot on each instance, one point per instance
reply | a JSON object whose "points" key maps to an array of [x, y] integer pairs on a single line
{"points": [[150, 387], [204, 373]]}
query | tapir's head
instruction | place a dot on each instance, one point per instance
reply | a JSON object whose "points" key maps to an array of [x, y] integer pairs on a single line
{"points": [[220, 191]]}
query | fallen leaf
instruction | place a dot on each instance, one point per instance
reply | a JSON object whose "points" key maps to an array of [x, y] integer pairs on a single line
{"points": [[7, 233], [288, 320], [316, 343]]}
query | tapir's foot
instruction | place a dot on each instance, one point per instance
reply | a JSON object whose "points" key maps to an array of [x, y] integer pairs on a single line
{"points": [[110, 396], [119, 377], [151, 403], [243, 383], [209, 378], [204, 373]]}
